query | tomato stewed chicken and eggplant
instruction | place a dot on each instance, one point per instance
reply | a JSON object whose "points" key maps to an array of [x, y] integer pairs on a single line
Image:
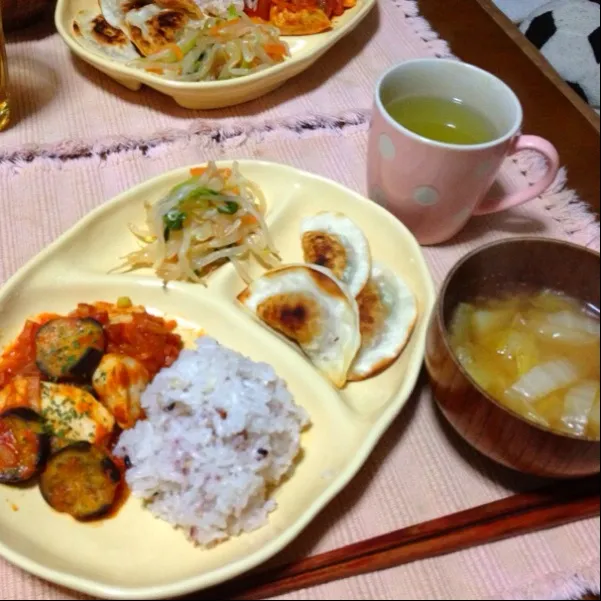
{"points": [[299, 17], [68, 386]]}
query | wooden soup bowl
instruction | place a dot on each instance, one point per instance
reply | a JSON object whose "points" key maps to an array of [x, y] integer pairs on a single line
{"points": [[492, 429]]}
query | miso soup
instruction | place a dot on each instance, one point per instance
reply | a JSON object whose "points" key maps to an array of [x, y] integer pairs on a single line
{"points": [[536, 353]]}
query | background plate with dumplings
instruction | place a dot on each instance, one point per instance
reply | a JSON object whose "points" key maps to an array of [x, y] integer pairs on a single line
{"points": [[124, 557], [305, 50]]}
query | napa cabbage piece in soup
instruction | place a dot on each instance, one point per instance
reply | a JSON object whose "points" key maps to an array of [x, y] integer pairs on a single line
{"points": [[537, 354]]}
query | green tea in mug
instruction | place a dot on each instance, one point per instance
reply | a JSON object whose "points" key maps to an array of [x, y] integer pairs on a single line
{"points": [[442, 119]]}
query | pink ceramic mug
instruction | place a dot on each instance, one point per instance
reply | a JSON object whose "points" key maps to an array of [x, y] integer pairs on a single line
{"points": [[434, 187]]}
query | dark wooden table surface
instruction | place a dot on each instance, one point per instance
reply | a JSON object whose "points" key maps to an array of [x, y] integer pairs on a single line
{"points": [[480, 33]]}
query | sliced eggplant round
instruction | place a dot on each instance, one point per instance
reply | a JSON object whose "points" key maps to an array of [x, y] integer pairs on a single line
{"points": [[69, 348], [81, 480], [24, 445]]}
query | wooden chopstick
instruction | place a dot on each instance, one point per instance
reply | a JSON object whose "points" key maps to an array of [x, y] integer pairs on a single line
{"points": [[520, 514]]}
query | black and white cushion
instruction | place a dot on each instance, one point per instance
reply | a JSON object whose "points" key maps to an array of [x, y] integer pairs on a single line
{"points": [[567, 33], [518, 10]]}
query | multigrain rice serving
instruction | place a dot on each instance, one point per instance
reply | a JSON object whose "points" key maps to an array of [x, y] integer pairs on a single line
{"points": [[221, 431]]}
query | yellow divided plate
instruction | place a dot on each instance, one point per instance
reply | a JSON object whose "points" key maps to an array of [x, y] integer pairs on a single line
{"points": [[134, 555], [305, 50]]}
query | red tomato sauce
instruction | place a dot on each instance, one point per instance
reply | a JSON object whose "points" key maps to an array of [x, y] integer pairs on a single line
{"points": [[19, 358], [128, 330], [149, 339]]}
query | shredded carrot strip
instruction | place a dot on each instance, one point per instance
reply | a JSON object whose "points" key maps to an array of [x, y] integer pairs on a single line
{"points": [[275, 51], [198, 171], [216, 29], [179, 55], [156, 70], [249, 220]]}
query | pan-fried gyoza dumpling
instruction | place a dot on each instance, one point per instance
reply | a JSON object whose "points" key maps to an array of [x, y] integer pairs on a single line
{"points": [[114, 11], [388, 313], [189, 7], [309, 305], [152, 28], [95, 33], [334, 241]]}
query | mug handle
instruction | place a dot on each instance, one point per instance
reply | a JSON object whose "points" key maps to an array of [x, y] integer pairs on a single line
{"points": [[551, 155]]}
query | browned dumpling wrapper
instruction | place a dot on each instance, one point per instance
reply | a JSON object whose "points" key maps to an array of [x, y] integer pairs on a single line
{"points": [[114, 11], [95, 33], [152, 28], [388, 313], [188, 7], [308, 305], [335, 241]]}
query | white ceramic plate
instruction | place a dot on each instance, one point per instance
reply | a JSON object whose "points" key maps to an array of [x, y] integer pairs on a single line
{"points": [[305, 50], [134, 555]]}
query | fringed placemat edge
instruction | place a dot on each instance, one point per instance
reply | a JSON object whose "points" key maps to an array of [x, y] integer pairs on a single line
{"points": [[555, 587]]}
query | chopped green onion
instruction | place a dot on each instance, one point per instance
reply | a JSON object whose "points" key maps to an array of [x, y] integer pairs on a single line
{"points": [[188, 190], [187, 44], [232, 12], [173, 221], [229, 207], [206, 192]]}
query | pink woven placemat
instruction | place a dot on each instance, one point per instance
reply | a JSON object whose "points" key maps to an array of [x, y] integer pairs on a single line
{"points": [[69, 153], [59, 97]]}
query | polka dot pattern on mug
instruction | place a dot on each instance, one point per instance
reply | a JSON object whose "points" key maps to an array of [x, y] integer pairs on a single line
{"points": [[387, 149], [426, 196]]}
